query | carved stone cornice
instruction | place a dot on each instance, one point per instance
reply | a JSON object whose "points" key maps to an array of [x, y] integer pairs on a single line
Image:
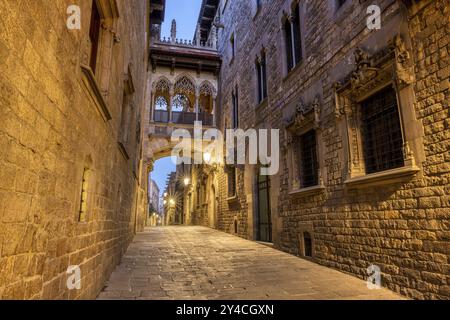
{"points": [[305, 116]]}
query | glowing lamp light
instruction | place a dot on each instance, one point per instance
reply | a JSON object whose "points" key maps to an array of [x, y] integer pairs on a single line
{"points": [[165, 194], [207, 157], [172, 202], [186, 181]]}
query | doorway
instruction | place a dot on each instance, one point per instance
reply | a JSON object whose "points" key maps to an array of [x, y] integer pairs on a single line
{"points": [[264, 221]]}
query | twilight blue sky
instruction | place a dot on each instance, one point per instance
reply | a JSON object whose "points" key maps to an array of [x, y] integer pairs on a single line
{"points": [[160, 172], [186, 13]]}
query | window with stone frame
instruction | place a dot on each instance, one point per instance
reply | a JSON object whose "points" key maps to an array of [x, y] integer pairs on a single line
{"points": [[381, 132], [127, 116], [306, 156], [232, 47], [94, 35], [372, 104], [261, 73], [293, 39], [96, 58], [304, 148], [231, 181]]}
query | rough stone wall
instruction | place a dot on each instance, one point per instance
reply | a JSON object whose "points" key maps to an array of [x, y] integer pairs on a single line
{"points": [[232, 210], [49, 126], [403, 227]]}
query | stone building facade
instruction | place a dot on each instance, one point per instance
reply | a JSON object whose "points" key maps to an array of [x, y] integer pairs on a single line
{"points": [[72, 175], [321, 71]]}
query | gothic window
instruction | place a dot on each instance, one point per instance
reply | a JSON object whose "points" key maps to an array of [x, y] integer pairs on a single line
{"points": [[232, 46], [262, 77], [125, 119], [381, 130], [235, 106], [181, 103], [297, 35], [206, 98], [161, 104], [307, 159], [231, 179], [184, 86], [94, 35], [288, 37], [162, 86], [293, 38]]}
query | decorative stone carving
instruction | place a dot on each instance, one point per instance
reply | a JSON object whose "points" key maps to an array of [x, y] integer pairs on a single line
{"points": [[173, 31], [403, 63], [364, 72], [306, 116]]}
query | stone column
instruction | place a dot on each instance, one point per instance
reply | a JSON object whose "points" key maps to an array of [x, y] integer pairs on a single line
{"points": [[214, 111], [197, 106], [171, 93], [152, 106]]}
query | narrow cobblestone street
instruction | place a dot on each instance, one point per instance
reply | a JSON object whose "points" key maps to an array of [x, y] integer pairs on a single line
{"points": [[201, 263]]}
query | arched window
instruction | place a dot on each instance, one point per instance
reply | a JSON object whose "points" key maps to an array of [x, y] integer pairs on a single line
{"points": [[184, 86], [161, 95], [261, 71], [293, 38], [161, 103], [184, 90], [206, 98], [181, 103]]}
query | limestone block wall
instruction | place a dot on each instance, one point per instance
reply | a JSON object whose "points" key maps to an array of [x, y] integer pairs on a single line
{"points": [[401, 227], [50, 130]]}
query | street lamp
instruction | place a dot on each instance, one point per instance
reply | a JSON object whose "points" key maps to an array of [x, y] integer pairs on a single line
{"points": [[172, 202], [186, 181], [165, 194], [207, 157]]}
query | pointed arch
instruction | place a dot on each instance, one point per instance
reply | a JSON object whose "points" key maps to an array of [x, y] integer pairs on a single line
{"points": [[162, 85], [206, 88], [185, 84]]}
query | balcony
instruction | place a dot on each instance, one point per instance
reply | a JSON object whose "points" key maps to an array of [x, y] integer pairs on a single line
{"points": [[183, 118]]}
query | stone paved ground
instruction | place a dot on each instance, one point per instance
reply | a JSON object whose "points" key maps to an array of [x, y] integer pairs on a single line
{"points": [[201, 263]]}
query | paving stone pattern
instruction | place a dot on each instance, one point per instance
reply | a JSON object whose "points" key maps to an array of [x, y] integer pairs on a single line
{"points": [[201, 263]]}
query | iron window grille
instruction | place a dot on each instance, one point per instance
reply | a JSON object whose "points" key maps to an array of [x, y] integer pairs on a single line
{"points": [[381, 132], [307, 146]]}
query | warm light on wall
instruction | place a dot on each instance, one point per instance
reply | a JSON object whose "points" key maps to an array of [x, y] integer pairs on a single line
{"points": [[207, 157]]}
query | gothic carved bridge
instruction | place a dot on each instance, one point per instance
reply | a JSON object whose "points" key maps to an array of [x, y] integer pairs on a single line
{"points": [[202, 263]]}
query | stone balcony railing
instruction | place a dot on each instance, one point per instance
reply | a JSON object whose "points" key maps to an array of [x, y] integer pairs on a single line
{"points": [[209, 45], [183, 118]]}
